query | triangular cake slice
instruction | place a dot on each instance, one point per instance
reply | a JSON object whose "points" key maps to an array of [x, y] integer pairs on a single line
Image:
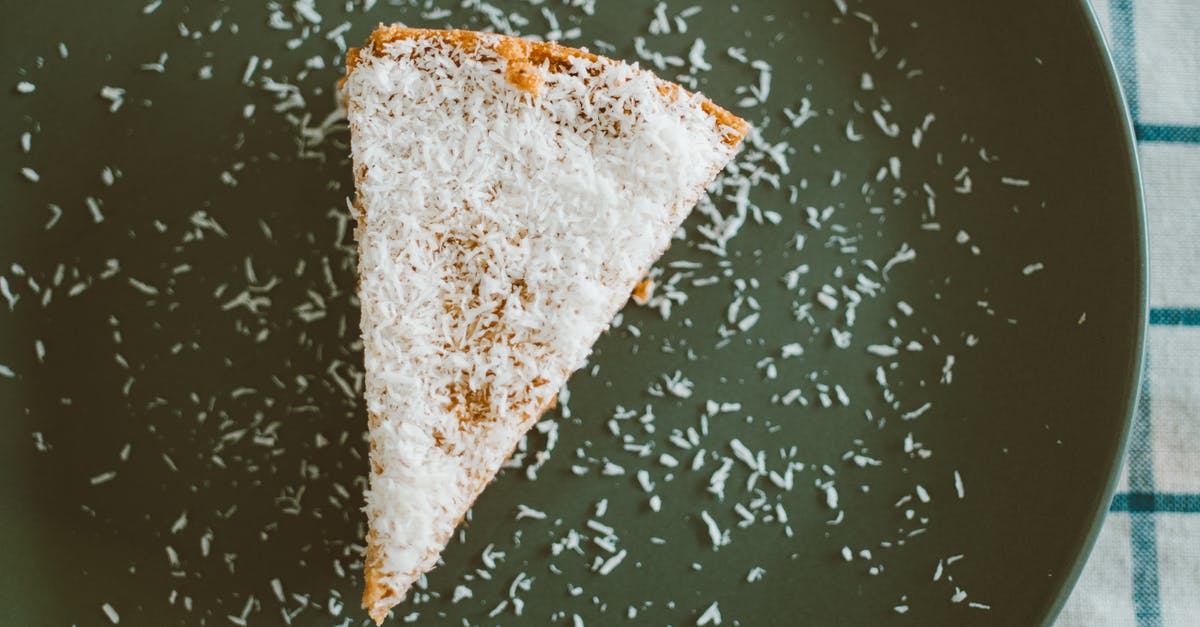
{"points": [[510, 194]]}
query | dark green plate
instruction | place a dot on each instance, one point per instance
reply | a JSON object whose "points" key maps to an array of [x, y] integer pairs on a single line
{"points": [[182, 435]]}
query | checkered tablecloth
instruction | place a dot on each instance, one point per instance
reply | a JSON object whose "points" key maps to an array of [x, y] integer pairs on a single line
{"points": [[1145, 568]]}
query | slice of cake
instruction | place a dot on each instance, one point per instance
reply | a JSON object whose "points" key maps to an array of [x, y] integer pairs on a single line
{"points": [[511, 194]]}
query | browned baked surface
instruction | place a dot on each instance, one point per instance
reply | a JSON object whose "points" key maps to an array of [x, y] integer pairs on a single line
{"points": [[524, 57]]}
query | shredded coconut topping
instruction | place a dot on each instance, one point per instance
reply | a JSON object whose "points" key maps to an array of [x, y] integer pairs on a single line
{"points": [[500, 230]]}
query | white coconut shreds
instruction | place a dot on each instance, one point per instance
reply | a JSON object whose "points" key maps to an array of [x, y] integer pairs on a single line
{"points": [[500, 233], [288, 434]]}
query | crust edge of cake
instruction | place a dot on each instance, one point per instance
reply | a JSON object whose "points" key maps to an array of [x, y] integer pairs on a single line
{"points": [[524, 57]]}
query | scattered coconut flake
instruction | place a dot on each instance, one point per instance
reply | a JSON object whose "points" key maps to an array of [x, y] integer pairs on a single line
{"points": [[111, 613], [710, 616], [717, 537], [524, 511], [611, 563], [882, 350], [103, 477], [831, 495], [115, 97]]}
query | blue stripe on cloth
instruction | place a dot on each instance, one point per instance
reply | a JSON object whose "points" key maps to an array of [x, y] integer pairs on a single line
{"points": [[1156, 502], [1175, 317], [1167, 133], [1124, 51], [1146, 603]]}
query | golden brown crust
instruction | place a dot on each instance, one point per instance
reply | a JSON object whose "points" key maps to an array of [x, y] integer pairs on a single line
{"points": [[374, 588], [643, 291], [523, 57]]}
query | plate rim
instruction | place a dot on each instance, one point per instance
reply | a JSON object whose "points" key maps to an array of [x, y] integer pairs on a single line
{"points": [[1133, 391]]}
